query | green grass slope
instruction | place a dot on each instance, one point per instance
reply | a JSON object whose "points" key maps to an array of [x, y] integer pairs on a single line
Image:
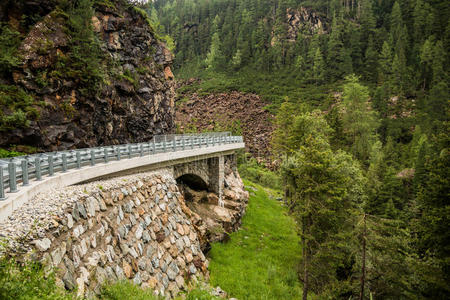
{"points": [[259, 261]]}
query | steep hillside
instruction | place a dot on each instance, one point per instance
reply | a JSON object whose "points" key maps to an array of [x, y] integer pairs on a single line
{"points": [[82, 73]]}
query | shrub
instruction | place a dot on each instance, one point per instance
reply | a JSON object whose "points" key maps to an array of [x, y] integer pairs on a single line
{"points": [[5, 153], [28, 281], [251, 170], [17, 108], [126, 290], [9, 42]]}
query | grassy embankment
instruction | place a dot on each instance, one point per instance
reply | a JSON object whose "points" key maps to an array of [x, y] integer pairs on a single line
{"points": [[260, 260]]}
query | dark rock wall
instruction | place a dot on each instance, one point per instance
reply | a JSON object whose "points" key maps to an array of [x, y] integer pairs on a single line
{"points": [[129, 108]]}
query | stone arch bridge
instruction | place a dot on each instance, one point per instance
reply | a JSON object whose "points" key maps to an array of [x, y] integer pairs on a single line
{"points": [[197, 160]]}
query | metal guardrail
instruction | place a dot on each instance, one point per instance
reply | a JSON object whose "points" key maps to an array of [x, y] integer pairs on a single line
{"points": [[18, 171]]}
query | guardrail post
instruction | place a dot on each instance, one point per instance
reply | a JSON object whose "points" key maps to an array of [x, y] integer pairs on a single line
{"points": [[130, 151], [25, 180], [12, 177], [37, 168], [92, 157], [184, 143], [2, 186], [117, 149], [165, 143], [174, 143], [105, 151], [64, 162], [154, 146], [142, 150], [50, 165], [78, 155], [191, 141]]}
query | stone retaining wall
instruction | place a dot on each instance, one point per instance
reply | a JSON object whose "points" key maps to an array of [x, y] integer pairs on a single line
{"points": [[135, 227]]}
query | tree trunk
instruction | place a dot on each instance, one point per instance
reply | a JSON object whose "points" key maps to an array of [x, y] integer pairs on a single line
{"points": [[363, 267], [305, 272], [305, 227]]}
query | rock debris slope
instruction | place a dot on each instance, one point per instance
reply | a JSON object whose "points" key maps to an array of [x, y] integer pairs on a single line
{"points": [[236, 110]]}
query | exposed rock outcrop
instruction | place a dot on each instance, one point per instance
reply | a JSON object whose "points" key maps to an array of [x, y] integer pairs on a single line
{"points": [[133, 102], [305, 21]]}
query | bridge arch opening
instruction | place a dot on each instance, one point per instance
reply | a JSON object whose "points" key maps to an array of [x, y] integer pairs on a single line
{"points": [[193, 181], [193, 187]]}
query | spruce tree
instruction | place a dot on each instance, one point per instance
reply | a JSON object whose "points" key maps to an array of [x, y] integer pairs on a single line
{"points": [[360, 120], [318, 67], [214, 59], [385, 64], [336, 52]]}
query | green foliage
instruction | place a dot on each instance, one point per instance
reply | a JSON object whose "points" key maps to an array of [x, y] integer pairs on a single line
{"points": [[149, 14], [433, 216], [84, 61], [6, 153], [259, 261], [293, 125], [388, 261], [200, 294], [28, 281], [126, 290], [18, 108], [9, 43], [323, 189], [251, 170], [359, 119], [214, 58]]}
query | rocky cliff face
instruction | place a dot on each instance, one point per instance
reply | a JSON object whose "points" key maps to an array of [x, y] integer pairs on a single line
{"points": [[305, 21], [133, 95]]}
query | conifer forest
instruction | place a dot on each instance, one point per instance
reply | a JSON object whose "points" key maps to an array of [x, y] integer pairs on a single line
{"points": [[343, 105]]}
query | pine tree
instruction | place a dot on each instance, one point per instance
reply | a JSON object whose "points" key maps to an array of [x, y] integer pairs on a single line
{"points": [[437, 101], [396, 23], [318, 67], [336, 52], [371, 65], [439, 54], [368, 23], [321, 180], [426, 61], [360, 120], [383, 262], [385, 64], [423, 21], [215, 59], [433, 238]]}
